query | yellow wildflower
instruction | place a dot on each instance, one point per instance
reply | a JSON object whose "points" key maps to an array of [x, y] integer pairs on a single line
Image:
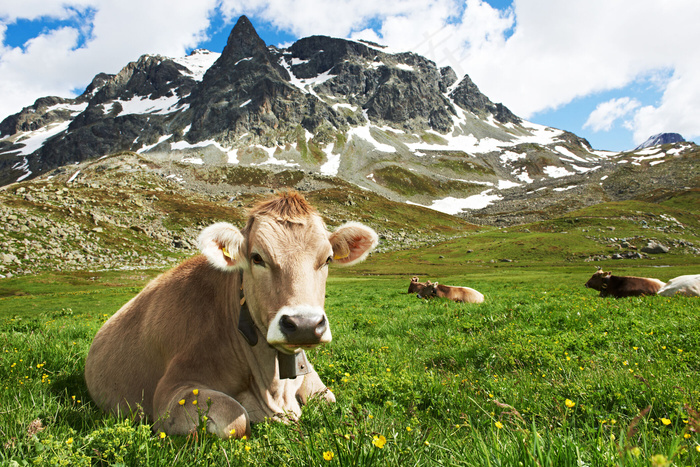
{"points": [[499, 425], [69, 441], [659, 460], [162, 435], [328, 455], [195, 391], [379, 441], [182, 402], [569, 403], [665, 421]]}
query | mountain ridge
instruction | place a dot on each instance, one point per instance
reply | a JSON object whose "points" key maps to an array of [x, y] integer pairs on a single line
{"points": [[392, 123]]}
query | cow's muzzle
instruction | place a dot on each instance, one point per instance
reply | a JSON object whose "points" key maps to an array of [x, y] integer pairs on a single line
{"points": [[299, 327]]}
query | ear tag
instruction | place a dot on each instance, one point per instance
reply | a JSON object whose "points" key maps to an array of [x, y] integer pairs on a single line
{"points": [[227, 254], [341, 256]]}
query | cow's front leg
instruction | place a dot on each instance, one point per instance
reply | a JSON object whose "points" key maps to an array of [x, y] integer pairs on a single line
{"points": [[313, 387], [180, 411]]}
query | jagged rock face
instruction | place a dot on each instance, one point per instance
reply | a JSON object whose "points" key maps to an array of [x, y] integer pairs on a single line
{"points": [[248, 91], [35, 117], [403, 90], [468, 96]]}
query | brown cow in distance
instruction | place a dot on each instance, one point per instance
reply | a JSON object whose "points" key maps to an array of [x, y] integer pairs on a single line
{"points": [[457, 294], [416, 286], [622, 286], [223, 333]]}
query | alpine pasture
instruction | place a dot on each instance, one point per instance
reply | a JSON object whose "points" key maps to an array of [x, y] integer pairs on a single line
{"points": [[543, 373]]}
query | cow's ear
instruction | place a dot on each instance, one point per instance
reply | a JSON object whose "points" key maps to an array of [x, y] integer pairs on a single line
{"points": [[221, 244], [352, 242]]}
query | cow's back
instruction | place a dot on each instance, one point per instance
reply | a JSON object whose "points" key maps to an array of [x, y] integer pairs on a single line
{"points": [[630, 286], [139, 340], [459, 294], [688, 285]]}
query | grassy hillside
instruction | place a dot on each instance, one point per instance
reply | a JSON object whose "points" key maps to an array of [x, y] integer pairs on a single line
{"points": [[577, 239]]}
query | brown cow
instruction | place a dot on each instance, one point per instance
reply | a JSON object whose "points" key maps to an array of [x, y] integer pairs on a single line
{"points": [[622, 286], [416, 286], [458, 294], [222, 334]]}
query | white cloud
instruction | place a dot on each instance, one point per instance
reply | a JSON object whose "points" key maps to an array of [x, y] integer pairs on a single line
{"points": [[34, 9], [55, 62], [678, 110], [606, 113]]}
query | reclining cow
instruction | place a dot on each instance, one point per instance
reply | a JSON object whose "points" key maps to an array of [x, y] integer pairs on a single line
{"points": [[223, 333], [623, 286], [457, 294], [688, 286], [416, 286]]}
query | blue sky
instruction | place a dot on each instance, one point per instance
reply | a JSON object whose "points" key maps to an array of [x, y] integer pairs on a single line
{"points": [[611, 72]]}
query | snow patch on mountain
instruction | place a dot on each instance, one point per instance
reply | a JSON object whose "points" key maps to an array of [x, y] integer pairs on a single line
{"points": [[34, 140], [556, 172], [140, 105], [454, 206], [364, 132], [74, 109], [198, 62]]}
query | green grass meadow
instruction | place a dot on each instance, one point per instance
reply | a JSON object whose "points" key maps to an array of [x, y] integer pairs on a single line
{"points": [[544, 373]]}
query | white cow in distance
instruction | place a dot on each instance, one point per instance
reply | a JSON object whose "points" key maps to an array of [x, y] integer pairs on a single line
{"points": [[682, 285]]}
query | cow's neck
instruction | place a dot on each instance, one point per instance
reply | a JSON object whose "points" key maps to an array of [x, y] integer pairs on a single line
{"points": [[290, 366]]}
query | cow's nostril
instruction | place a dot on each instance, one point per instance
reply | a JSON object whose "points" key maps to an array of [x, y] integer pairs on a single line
{"points": [[321, 327], [287, 324]]}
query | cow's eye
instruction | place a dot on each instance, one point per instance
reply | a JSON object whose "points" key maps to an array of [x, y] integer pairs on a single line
{"points": [[257, 260], [329, 260]]}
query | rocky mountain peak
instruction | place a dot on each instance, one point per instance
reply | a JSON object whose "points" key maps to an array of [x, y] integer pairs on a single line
{"points": [[661, 138], [243, 42], [468, 96], [392, 123]]}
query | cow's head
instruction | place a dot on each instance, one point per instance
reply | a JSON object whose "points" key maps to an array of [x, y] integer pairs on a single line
{"points": [[599, 280], [428, 291], [284, 252]]}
